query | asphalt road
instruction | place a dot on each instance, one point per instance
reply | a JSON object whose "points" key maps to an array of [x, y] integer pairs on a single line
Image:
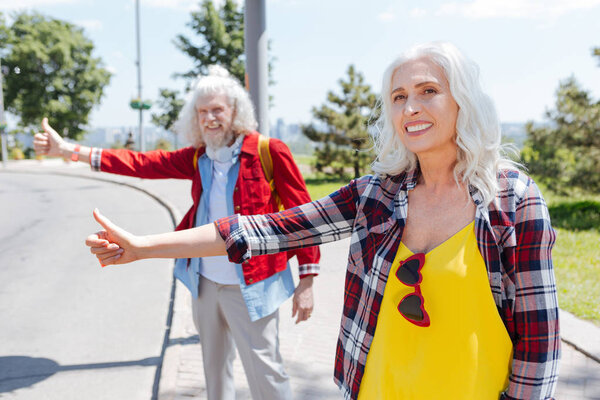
{"points": [[70, 329]]}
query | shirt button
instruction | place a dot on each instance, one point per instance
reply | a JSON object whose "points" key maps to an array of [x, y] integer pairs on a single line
{"points": [[235, 189], [250, 280], [237, 208]]}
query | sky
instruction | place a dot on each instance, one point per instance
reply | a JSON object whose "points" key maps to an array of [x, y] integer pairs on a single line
{"points": [[524, 48]]}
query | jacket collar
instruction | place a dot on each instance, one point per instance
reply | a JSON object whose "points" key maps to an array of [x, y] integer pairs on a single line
{"points": [[250, 144]]}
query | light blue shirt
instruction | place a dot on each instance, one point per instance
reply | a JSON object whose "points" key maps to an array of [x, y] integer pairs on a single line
{"points": [[262, 298]]}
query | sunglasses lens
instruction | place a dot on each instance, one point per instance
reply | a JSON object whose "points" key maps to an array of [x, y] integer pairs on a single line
{"points": [[411, 308], [408, 272]]}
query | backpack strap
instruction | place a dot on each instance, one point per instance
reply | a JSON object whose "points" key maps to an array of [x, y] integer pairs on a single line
{"points": [[264, 153], [196, 158]]}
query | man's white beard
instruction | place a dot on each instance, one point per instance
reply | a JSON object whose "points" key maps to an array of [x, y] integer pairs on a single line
{"points": [[217, 142], [223, 152]]}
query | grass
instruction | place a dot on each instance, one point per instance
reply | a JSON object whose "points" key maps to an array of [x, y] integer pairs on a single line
{"points": [[576, 257], [576, 253], [321, 187]]}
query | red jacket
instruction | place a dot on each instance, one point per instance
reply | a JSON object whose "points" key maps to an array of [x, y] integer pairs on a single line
{"points": [[252, 194]]}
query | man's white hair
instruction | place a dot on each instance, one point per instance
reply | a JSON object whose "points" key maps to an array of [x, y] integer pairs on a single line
{"points": [[218, 81]]}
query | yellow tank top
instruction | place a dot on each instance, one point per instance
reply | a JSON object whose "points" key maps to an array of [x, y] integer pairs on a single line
{"points": [[466, 351]]}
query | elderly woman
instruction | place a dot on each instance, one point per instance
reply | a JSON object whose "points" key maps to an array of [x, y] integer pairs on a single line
{"points": [[450, 288]]}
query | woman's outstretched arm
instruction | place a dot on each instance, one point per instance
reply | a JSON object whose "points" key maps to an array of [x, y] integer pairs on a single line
{"points": [[114, 245]]}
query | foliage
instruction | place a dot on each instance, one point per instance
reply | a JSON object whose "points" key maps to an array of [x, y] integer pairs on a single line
{"points": [[163, 144], [576, 215], [51, 72], [16, 153], [342, 132], [565, 152], [171, 106], [222, 39], [221, 30]]}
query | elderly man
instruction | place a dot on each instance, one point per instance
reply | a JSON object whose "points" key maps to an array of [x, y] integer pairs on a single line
{"points": [[233, 305]]}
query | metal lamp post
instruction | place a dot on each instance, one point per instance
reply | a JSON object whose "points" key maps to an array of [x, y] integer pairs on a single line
{"points": [[139, 104], [257, 63], [3, 120]]}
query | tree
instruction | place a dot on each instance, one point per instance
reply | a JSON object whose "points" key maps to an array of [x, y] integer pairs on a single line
{"points": [[342, 137], [222, 39], [221, 31], [565, 152], [52, 72], [171, 105]]}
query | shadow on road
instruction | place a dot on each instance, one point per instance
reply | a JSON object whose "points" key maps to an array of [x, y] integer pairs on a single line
{"points": [[17, 372]]}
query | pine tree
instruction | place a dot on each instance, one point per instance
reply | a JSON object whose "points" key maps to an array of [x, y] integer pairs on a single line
{"points": [[341, 132], [565, 151]]}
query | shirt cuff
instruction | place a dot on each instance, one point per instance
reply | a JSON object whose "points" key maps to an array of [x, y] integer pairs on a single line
{"points": [[236, 238], [308, 269], [95, 158]]}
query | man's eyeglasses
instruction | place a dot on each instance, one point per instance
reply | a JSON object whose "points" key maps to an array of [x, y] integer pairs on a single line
{"points": [[412, 305]]}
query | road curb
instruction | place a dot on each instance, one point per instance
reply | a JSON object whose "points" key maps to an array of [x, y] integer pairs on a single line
{"points": [[581, 334]]}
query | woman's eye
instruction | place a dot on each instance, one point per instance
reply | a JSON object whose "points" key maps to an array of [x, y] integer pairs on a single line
{"points": [[430, 91], [399, 97]]}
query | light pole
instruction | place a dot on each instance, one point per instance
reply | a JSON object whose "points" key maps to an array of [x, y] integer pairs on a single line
{"points": [[257, 64], [139, 74], [2, 120]]}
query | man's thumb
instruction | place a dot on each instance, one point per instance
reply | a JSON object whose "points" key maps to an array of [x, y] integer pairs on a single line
{"points": [[47, 128]]}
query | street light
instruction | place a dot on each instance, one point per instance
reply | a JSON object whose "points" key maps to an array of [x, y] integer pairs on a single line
{"points": [[257, 62], [3, 118], [138, 103]]}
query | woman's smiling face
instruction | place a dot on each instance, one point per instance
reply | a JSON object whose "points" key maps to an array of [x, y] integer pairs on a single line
{"points": [[423, 111]]}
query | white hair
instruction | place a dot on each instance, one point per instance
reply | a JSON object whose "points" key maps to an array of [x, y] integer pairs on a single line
{"points": [[480, 152], [218, 81]]}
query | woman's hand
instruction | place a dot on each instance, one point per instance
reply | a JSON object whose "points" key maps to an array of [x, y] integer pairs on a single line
{"points": [[49, 143], [113, 245]]}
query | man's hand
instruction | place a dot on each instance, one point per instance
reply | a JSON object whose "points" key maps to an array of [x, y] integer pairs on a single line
{"points": [[49, 143], [303, 299], [113, 245]]}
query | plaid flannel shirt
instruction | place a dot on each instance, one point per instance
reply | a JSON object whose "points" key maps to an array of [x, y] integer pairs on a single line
{"points": [[514, 236]]}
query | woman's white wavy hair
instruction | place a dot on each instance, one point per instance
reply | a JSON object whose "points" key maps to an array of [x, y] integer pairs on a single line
{"points": [[218, 81], [480, 152]]}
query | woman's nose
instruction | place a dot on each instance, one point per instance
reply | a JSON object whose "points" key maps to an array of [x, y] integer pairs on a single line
{"points": [[412, 106]]}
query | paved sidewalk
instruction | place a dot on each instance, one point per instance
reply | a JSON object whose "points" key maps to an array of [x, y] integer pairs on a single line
{"points": [[308, 349]]}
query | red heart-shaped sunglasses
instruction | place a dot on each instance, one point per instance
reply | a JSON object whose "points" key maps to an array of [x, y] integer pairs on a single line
{"points": [[412, 306]]}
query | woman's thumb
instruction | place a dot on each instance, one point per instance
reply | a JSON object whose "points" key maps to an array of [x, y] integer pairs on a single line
{"points": [[103, 221]]}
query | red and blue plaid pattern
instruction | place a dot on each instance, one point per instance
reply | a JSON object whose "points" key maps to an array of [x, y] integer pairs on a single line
{"points": [[514, 236]]}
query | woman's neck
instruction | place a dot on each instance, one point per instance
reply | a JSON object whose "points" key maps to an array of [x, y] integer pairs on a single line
{"points": [[437, 171]]}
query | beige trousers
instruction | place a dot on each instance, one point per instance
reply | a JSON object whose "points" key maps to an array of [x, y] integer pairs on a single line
{"points": [[222, 321]]}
